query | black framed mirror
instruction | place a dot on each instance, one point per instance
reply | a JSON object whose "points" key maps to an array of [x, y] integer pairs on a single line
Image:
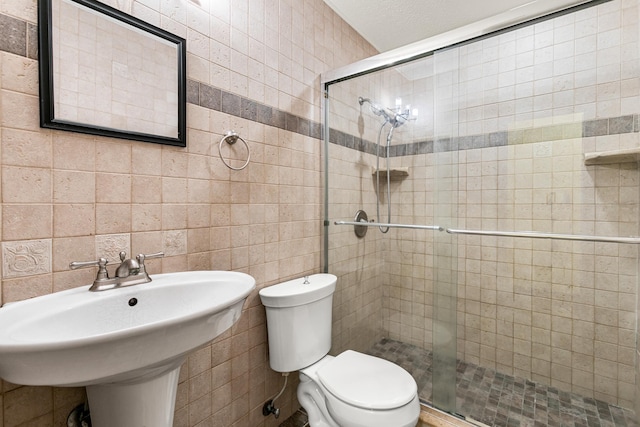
{"points": [[104, 72]]}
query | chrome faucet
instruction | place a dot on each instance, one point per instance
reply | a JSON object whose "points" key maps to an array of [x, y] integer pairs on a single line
{"points": [[127, 266], [130, 272]]}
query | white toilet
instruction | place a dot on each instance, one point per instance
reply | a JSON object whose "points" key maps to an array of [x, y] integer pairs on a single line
{"points": [[349, 390]]}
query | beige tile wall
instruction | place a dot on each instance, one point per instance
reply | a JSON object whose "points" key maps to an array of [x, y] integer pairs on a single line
{"points": [[356, 261], [561, 313], [72, 197], [558, 312]]}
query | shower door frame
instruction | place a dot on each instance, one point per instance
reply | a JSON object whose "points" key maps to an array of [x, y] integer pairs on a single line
{"points": [[509, 21]]}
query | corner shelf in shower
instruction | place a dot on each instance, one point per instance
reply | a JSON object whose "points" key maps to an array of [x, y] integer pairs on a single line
{"points": [[625, 155], [394, 173]]}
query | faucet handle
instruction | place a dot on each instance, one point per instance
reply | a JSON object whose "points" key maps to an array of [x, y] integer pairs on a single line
{"points": [[101, 263], [142, 257]]}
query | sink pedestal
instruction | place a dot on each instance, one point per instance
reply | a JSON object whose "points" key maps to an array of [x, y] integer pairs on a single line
{"points": [[150, 402]]}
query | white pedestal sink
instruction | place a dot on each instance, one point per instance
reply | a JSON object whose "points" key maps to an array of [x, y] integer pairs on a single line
{"points": [[126, 345]]}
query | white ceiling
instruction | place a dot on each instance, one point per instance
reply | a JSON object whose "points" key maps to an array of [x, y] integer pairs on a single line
{"points": [[388, 24]]}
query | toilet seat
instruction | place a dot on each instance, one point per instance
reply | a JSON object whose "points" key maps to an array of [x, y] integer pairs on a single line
{"points": [[367, 382], [342, 390]]}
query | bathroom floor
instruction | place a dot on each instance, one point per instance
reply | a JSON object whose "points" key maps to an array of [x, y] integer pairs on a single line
{"points": [[496, 399], [298, 419], [487, 397]]}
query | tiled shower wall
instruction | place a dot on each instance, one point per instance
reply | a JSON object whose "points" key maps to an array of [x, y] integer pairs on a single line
{"points": [[356, 261], [529, 103], [253, 66]]}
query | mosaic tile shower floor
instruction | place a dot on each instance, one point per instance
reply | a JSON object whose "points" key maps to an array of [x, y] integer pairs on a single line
{"points": [[500, 400]]}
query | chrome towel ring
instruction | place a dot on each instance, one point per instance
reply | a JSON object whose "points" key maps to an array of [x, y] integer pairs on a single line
{"points": [[231, 137]]}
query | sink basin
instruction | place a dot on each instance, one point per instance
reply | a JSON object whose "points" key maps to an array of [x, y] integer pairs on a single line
{"points": [[118, 340]]}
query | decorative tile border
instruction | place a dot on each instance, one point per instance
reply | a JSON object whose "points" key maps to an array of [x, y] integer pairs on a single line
{"points": [[586, 129], [20, 37], [26, 258], [109, 246], [219, 100], [175, 242]]}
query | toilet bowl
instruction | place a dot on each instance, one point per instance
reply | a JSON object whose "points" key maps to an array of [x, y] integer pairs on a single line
{"points": [[348, 390], [358, 390]]}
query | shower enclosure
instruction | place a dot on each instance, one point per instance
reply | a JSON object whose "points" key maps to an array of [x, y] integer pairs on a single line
{"points": [[500, 262]]}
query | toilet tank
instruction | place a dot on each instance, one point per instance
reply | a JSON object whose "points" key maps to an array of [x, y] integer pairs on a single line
{"points": [[299, 321]]}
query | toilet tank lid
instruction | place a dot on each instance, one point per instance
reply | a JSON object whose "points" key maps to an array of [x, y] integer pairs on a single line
{"points": [[368, 382], [295, 292]]}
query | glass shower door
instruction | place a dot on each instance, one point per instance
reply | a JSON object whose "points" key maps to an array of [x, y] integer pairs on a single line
{"points": [[445, 212]]}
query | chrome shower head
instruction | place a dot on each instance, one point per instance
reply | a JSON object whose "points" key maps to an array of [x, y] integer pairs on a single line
{"points": [[375, 108], [378, 110]]}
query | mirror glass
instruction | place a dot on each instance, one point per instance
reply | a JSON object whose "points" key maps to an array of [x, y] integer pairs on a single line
{"points": [[107, 73]]}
